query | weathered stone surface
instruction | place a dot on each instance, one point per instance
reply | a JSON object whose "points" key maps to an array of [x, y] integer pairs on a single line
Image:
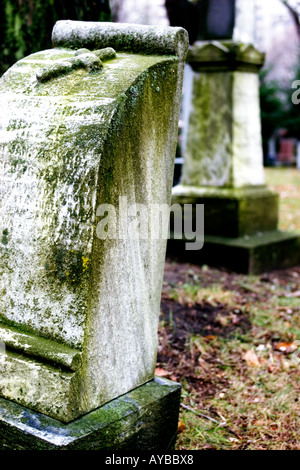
{"points": [[121, 36], [69, 144], [216, 56], [252, 254], [224, 146], [145, 419], [32, 345], [232, 212]]}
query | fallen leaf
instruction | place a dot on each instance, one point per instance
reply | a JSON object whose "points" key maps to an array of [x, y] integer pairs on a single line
{"points": [[287, 310], [271, 368], [285, 364], [277, 357], [202, 364], [181, 426], [255, 400], [286, 348], [261, 347], [222, 320], [258, 422], [210, 337], [161, 372], [251, 358], [235, 319], [293, 294]]}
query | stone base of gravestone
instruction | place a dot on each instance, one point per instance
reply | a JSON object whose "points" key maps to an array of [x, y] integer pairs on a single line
{"points": [[252, 254], [240, 229], [231, 212], [145, 419]]}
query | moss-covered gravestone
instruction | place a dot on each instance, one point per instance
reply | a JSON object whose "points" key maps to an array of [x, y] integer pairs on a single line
{"points": [[88, 126], [223, 159]]}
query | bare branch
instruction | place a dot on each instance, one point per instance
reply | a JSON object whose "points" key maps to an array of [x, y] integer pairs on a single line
{"points": [[295, 15]]}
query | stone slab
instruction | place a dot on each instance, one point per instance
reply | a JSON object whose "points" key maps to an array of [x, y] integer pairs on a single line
{"points": [[232, 212], [144, 419], [248, 255]]}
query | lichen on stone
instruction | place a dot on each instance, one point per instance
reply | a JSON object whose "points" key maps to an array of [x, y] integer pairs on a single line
{"points": [[107, 53], [83, 58]]}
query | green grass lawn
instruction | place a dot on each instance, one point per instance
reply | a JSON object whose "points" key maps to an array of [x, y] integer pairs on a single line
{"points": [[233, 342]]}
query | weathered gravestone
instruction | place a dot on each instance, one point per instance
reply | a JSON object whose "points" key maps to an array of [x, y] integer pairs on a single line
{"points": [[87, 127], [223, 157]]}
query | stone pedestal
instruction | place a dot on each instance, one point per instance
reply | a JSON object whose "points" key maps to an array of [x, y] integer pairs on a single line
{"points": [[87, 141], [223, 161], [145, 419]]}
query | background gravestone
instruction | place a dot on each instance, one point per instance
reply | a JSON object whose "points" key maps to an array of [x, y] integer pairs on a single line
{"points": [[222, 150], [85, 125]]}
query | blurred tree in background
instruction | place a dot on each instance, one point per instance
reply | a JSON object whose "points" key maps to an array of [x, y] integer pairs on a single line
{"points": [[292, 114], [186, 14], [272, 105], [26, 25], [294, 9], [278, 112], [292, 118]]}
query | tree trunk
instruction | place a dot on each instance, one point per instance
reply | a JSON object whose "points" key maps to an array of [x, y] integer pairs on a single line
{"points": [[295, 15], [26, 26]]}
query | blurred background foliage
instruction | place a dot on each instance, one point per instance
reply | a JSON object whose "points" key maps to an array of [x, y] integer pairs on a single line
{"points": [[277, 108], [26, 25]]}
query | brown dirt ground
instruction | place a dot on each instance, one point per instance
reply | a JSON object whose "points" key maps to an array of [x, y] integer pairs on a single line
{"points": [[210, 320]]}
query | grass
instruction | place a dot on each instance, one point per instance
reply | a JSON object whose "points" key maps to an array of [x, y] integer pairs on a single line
{"points": [[240, 387]]}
